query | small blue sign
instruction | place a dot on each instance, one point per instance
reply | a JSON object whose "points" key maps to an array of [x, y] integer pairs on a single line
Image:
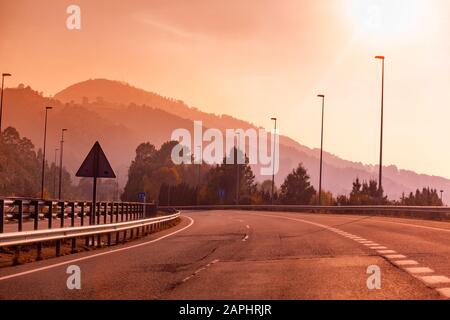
{"points": [[221, 193], [142, 196]]}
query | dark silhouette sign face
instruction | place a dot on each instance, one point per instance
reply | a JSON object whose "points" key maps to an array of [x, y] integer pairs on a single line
{"points": [[96, 165]]}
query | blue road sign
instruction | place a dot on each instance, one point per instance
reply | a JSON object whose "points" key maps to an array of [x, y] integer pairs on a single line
{"points": [[142, 196], [221, 193]]}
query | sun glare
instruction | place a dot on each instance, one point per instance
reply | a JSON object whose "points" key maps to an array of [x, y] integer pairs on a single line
{"points": [[385, 17]]}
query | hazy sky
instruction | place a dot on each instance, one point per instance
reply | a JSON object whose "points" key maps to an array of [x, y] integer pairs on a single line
{"points": [[255, 59]]}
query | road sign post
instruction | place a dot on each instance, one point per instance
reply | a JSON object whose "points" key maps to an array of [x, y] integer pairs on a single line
{"points": [[143, 197], [96, 165]]}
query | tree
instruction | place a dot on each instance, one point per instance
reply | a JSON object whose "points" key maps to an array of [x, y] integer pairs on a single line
{"points": [[153, 168], [297, 188], [426, 197], [20, 169], [222, 181], [366, 193]]}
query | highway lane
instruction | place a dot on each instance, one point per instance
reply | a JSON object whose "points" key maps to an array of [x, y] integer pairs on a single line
{"points": [[251, 255]]}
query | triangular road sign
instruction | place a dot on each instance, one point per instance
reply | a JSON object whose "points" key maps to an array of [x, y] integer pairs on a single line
{"points": [[96, 165]]}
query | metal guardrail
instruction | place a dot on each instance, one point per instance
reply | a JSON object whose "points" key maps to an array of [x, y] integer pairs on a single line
{"points": [[107, 218], [440, 213], [20, 210], [24, 238]]}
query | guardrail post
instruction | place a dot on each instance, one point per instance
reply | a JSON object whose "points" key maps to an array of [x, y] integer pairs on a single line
{"points": [[105, 211], [127, 212], [58, 248], [74, 240], [99, 238], [121, 212], [2, 216], [61, 212], [98, 208], [81, 213], [111, 212], [36, 215], [62, 207], [50, 214], [117, 212], [20, 218]]}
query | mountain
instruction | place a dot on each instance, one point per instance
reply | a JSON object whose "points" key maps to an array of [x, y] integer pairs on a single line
{"points": [[121, 116]]}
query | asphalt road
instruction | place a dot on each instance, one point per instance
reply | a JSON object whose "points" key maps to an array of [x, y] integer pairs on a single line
{"points": [[254, 255]]}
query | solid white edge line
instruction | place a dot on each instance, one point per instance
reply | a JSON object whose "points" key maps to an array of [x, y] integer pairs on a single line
{"points": [[95, 255]]}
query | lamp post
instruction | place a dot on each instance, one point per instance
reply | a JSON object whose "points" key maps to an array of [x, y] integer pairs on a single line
{"points": [[61, 153], [380, 178], [54, 173], [321, 149], [442, 199], [238, 137], [274, 158], [1, 98], [44, 152]]}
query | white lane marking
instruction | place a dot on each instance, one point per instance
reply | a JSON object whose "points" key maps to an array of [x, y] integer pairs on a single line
{"points": [[247, 226], [200, 270], [395, 256], [412, 225], [386, 252], [419, 270], [188, 278], [245, 239], [406, 262], [56, 265], [444, 292], [391, 254], [377, 247], [435, 279], [371, 244]]}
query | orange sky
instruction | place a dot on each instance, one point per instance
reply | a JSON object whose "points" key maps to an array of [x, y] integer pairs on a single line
{"points": [[255, 59]]}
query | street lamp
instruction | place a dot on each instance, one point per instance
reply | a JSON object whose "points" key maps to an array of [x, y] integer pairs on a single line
{"points": [[380, 179], [54, 173], [238, 137], [43, 156], [442, 191], [321, 149], [1, 97], [273, 157], [61, 148]]}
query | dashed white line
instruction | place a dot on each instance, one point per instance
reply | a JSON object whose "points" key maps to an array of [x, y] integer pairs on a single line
{"points": [[409, 266], [418, 270], [405, 262], [395, 256], [200, 270], [386, 252], [435, 279], [245, 239], [445, 292]]}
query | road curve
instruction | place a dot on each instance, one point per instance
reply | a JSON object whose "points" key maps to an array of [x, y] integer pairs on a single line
{"points": [[254, 255]]}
